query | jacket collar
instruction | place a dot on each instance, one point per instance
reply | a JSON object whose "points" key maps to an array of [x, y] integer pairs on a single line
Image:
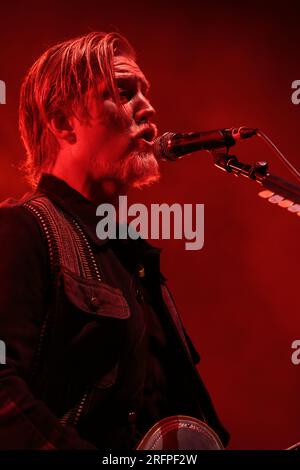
{"points": [[84, 212], [72, 202]]}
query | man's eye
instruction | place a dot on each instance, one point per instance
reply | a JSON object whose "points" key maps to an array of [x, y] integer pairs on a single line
{"points": [[125, 95]]}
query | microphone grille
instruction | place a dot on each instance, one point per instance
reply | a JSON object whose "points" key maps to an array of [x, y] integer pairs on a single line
{"points": [[161, 146]]}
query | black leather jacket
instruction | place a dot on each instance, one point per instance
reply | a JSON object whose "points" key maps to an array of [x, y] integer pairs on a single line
{"points": [[80, 382]]}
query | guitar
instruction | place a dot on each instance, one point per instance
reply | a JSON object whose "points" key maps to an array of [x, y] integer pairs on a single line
{"points": [[184, 433], [180, 433]]}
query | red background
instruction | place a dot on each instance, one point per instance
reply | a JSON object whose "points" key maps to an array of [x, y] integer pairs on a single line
{"points": [[211, 65]]}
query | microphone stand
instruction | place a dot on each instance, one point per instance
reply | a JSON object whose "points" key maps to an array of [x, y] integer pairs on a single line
{"points": [[279, 191]]}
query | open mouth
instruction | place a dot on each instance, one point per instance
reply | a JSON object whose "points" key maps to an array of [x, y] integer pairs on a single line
{"points": [[148, 134]]}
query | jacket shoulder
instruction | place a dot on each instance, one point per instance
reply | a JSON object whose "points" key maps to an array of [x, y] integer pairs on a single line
{"points": [[11, 202], [17, 223]]}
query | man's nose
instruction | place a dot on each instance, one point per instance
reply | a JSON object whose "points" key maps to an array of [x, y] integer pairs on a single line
{"points": [[144, 110]]}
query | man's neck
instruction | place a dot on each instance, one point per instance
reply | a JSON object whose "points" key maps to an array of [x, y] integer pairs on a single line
{"points": [[104, 190]]}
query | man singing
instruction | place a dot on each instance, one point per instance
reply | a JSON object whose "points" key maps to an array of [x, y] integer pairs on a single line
{"points": [[96, 352]]}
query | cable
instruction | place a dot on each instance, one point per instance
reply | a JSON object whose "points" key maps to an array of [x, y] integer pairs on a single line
{"points": [[271, 144]]}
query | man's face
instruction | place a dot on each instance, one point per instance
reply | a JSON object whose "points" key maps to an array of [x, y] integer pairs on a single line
{"points": [[113, 149]]}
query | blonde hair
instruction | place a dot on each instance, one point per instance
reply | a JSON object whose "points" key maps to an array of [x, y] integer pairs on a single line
{"points": [[59, 80]]}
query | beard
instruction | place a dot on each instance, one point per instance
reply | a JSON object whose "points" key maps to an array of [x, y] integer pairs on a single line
{"points": [[139, 169]]}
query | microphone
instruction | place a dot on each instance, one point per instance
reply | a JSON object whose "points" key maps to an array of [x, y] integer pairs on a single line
{"points": [[170, 146]]}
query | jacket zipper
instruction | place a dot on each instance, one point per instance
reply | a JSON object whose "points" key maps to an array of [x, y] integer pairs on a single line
{"points": [[73, 415]]}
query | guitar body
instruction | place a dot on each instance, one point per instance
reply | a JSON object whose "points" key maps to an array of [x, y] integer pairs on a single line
{"points": [[180, 433]]}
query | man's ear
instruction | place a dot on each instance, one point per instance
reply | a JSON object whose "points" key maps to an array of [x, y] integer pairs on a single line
{"points": [[62, 127]]}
